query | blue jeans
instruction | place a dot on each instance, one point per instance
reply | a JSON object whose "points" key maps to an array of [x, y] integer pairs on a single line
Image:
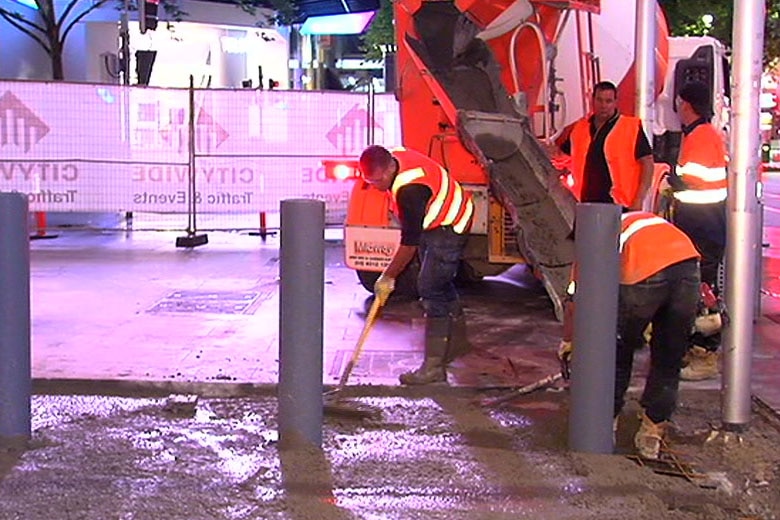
{"points": [[668, 300], [440, 253]]}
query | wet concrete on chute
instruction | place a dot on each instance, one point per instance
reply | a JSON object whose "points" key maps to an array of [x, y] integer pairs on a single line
{"points": [[432, 454]]}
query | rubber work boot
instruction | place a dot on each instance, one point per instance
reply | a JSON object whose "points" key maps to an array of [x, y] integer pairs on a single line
{"points": [[702, 364], [433, 368], [649, 437], [459, 342]]}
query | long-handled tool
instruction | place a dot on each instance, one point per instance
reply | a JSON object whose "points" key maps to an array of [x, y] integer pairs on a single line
{"points": [[331, 397], [523, 390]]}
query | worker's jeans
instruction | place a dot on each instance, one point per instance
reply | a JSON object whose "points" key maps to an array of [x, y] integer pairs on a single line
{"points": [[667, 300], [440, 253]]}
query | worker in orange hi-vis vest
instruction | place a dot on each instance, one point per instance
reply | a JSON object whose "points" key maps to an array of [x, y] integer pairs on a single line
{"points": [[659, 286], [699, 208], [611, 158], [435, 213]]}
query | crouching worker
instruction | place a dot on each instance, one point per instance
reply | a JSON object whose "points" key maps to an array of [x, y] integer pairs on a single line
{"points": [[435, 213], [659, 286]]}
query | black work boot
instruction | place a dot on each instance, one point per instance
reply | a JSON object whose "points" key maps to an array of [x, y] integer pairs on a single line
{"points": [[459, 340], [433, 368]]}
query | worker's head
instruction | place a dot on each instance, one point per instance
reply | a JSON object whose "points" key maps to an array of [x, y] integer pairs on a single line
{"points": [[378, 167], [604, 99], [694, 101]]}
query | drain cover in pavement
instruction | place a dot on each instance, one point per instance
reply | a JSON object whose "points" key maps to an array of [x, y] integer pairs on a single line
{"points": [[214, 302]]}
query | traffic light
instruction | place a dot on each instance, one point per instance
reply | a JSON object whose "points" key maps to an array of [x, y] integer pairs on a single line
{"points": [[147, 14], [272, 84]]}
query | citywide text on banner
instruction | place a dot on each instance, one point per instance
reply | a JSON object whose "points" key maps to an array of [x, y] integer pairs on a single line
{"points": [[86, 148]]}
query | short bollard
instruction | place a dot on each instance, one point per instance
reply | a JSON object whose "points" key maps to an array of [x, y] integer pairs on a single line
{"points": [[595, 328], [301, 293], [15, 367]]}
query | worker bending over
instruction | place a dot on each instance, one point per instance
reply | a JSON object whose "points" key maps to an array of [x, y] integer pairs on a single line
{"points": [[435, 214], [658, 286]]}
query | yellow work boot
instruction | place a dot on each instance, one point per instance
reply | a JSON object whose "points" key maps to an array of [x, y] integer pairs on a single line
{"points": [[649, 437], [702, 364]]}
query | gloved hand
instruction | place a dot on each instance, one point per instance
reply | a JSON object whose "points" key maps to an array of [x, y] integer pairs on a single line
{"points": [[565, 352], [383, 288]]}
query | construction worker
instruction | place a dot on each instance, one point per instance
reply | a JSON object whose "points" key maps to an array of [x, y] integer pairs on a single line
{"points": [[699, 207], [435, 214], [659, 286], [611, 158]]}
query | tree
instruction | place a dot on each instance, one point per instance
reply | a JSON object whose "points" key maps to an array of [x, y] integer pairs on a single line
{"points": [[380, 36], [50, 29], [688, 18]]}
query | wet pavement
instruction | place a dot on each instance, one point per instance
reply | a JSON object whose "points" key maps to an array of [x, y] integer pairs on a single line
{"points": [[128, 314], [131, 308]]}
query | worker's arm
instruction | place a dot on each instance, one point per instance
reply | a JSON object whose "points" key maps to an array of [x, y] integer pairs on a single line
{"points": [[646, 178], [644, 155], [412, 201]]}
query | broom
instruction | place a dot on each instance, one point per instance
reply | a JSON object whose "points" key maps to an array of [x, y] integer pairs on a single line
{"points": [[332, 404]]}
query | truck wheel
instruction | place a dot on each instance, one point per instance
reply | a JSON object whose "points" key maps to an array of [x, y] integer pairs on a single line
{"points": [[405, 285]]}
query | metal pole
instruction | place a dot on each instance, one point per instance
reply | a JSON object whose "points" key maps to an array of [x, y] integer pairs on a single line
{"points": [[742, 216], [15, 376], [302, 281], [644, 46], [124, 37], [595, 328], [371, 109], [191, 224]]}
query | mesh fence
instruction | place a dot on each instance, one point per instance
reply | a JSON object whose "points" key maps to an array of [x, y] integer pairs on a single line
{"points": [[227, 155]]}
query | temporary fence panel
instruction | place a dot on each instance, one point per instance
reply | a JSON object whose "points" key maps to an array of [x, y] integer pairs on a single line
{"points": [[108, 148]]}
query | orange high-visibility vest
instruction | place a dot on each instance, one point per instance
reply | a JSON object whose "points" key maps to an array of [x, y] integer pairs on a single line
{"points": [[450, 205], [648, 244], [624, 170], [702, 166]]}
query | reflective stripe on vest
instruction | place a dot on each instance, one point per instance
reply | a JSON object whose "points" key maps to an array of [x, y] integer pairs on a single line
{"points": [[702, 166], [636, 226], [450, 204], [648, 244]]}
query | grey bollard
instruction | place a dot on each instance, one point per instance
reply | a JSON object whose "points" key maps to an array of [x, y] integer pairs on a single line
{"points": [[301, 293], [15, 365], [595, 328]]}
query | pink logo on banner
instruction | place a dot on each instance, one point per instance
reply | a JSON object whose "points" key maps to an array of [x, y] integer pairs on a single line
{"points": [[208, 133], [18, 124], [349, 135], [204, 122]]}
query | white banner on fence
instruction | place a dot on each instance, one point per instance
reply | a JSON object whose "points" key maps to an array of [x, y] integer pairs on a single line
{"points": [[83, 148]]}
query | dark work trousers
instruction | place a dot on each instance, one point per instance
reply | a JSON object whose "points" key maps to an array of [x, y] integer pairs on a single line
{"points": [[705, 225], [667, 300], [440, 251]]}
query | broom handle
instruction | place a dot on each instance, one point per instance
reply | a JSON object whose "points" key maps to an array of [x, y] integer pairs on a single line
{"points": [[372, 314]]}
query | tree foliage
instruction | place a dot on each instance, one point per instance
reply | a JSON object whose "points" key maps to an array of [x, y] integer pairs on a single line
{"points": [[380, 35], [52, 25], [685, 18]]}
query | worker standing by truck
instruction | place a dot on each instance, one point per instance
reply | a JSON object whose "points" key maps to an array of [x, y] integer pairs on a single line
{"points": [[659, 286], [611, 158], [435, 213], [699, 185]]}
